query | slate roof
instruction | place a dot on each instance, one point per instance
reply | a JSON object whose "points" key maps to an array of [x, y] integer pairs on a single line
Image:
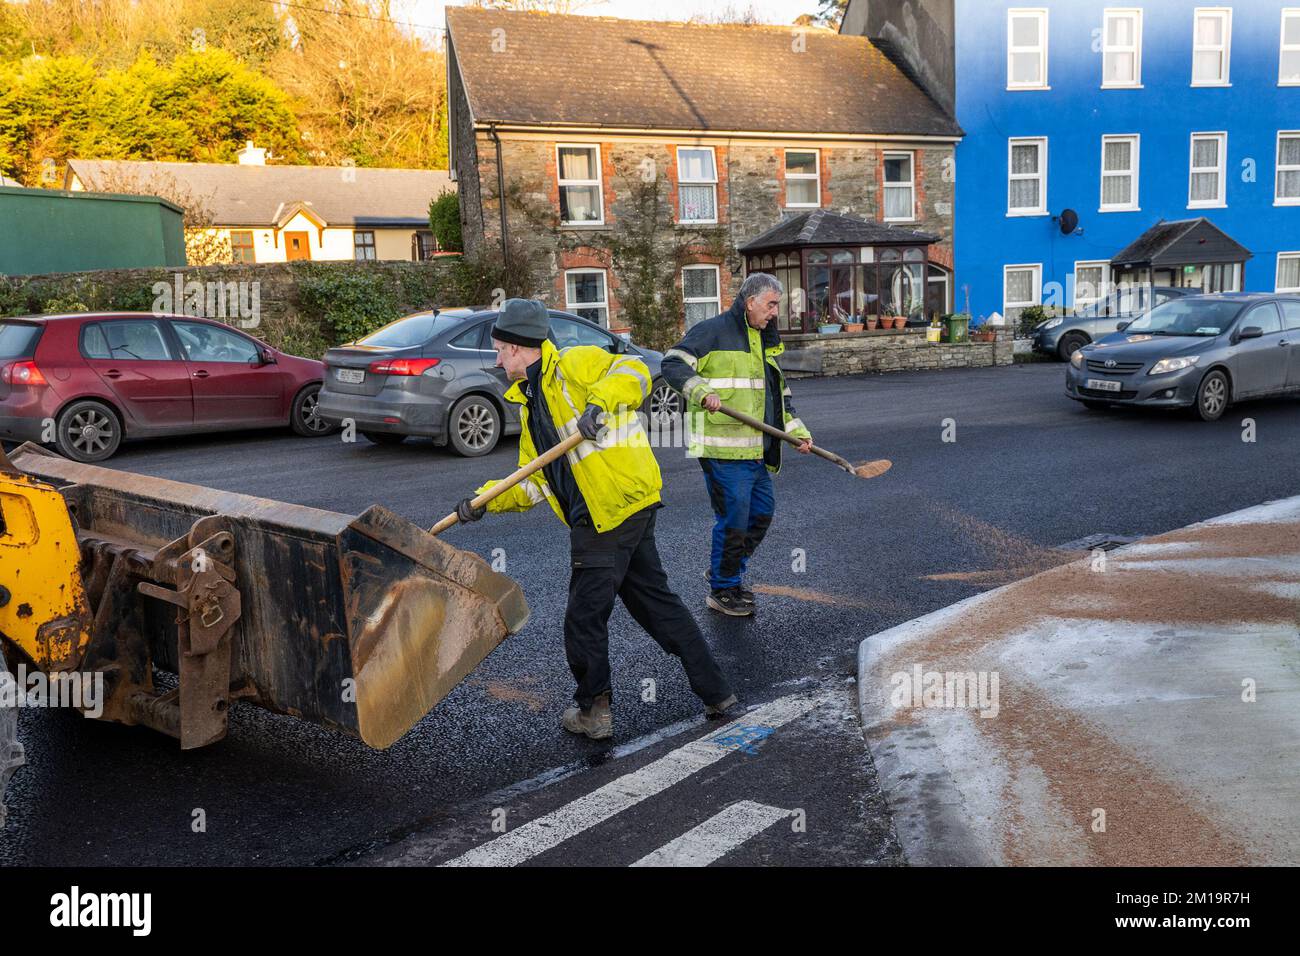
{"points": [[821, 227], [558, 70], [259, 195], [1182, 242]]}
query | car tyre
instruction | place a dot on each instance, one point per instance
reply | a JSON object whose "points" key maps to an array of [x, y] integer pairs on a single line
{"points": [[474, 426], [1070, 343], [88, 431], [383, 438], [305, 418], [1212, 397], [664, 404]]}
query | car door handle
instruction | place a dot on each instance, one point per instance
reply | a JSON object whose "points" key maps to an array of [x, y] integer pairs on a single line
{"points": [[201, 373], [112, 373]]}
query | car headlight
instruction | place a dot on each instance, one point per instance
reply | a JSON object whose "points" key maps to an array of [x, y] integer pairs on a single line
{"points": [[1053, 323], [1077, 358], [1173, 364]]}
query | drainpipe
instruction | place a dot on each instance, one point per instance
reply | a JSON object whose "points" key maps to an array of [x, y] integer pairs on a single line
{"points": [[501, 190]]}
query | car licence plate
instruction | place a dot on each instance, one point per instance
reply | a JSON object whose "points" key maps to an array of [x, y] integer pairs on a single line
{"points": [[1103, 385], [350, 376]]}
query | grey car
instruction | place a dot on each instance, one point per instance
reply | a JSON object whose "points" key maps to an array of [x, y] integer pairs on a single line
{"points": [[1200, 352], [1063, 335], [433, 374]]}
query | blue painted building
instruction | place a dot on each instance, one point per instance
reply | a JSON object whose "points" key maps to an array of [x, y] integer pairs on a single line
{"points": [[1125, 114]]}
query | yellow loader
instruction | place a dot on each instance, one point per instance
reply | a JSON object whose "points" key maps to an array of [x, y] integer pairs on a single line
{"points": [[359, 624]]}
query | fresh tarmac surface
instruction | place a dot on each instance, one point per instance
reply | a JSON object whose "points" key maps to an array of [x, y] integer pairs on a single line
{"points": [[1030, 470]]}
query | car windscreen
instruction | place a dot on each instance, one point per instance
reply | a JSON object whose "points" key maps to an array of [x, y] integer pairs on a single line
{"points": [[1201, 317], [412, 330], [18, 339]]}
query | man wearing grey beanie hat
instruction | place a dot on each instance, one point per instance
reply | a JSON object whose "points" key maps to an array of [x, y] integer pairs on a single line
{"points": [[607, 491]]}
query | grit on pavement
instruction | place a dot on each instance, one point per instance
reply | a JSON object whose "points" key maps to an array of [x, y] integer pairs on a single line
{"points": [[1028, 472], [1139, 706]]}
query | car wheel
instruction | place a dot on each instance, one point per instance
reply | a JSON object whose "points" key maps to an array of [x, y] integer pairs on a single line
{"points": [[1070, 343], [383, 438], [664, 403], [88, 431], [306, 420], [474, 426], [1212, 397], [1096, 406]]}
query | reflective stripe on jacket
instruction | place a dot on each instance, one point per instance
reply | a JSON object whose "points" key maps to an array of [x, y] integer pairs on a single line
{"points": [[618, 476], [725, 356]]}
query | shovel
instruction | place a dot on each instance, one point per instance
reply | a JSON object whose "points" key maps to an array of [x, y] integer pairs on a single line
{"points": [[537, 464], [867, 469]]}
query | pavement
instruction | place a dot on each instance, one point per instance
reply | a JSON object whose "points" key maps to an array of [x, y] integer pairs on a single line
{"points": [[1029, 473], [1137, 706]]}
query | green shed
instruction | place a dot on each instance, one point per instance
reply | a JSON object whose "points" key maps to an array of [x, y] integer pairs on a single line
{"points": [[49, 230]]}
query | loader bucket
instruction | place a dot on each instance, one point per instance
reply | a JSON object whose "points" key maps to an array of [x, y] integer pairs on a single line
{"points": [[361, 624]]}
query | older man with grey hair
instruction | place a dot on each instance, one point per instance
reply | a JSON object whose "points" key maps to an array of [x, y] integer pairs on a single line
{"points": [[731, 359]]}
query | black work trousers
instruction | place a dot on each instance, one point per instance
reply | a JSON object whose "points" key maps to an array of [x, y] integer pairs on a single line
{"points": [[624, 562]]}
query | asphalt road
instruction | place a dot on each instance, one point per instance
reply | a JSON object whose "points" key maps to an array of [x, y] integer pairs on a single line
{"points": [[1029, 470]]}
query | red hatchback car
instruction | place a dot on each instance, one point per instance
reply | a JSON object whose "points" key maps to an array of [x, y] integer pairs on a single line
{"points": [[84, 382]]}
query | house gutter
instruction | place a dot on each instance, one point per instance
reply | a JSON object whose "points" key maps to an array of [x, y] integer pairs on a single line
{"points": [[501, 192]]}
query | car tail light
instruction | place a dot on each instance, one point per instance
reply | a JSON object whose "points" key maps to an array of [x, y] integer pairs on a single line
{"points": [[402, 366], [22, 373]]}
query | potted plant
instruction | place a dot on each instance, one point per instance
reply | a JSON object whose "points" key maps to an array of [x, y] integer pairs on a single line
{"points": [[855, 325], [900, 321], [873, 321], [828, 325]]}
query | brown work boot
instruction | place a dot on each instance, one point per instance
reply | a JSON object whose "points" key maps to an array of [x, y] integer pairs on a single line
{"points": [[596, 723]]}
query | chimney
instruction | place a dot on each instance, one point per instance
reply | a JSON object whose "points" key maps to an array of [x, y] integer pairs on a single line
{"points": [[251, 155]]}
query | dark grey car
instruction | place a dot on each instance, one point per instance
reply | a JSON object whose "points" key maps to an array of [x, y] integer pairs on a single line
{"points": [[1201, 352], [1063, 335], [433, 374]]}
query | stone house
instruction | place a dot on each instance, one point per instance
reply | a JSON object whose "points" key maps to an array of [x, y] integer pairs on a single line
{"points": [[635, 154]]}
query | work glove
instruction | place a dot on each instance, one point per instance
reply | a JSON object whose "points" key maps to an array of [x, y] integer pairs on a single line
{"points": [[590, 425], [466, 511]]}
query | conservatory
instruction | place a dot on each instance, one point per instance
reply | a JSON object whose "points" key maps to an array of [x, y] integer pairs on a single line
{"points": [[843, 270]]}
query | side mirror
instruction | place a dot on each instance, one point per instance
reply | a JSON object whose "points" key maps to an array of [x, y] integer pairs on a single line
{"points": [[268, 357], [1250, 332], [620, 345], [1122, 326]]}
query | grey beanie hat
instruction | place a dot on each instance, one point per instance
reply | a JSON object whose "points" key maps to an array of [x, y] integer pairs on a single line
{"points": [[522, 322]]}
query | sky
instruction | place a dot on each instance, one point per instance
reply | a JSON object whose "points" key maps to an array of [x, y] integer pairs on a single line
{"points": [[430, 12]]}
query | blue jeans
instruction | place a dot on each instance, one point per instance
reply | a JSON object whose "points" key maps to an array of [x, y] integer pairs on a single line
{"points": [[743, 500]]}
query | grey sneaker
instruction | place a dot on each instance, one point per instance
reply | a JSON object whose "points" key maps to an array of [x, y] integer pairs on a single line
{"points": [[746, 595], [729, 601], [596, 723], [729, 709]]}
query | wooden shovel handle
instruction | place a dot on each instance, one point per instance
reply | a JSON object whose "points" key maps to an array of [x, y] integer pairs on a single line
{"points": [[505, 484], [753, 422]]}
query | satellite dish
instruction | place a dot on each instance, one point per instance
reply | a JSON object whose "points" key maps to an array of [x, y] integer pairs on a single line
{"points": [[1069, 220]]}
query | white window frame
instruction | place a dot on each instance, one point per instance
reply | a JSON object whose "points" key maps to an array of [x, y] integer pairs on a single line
{"points": [[597, 182], [1134, 172], [1284, 47], [910, 184], [1041, 175], [1041, 48], [1101, 293], [716, 300], [1278, 198], [1037, 268], [1225, 14], [571, 306], [1115, 13], [1277, 275], [697, 182], [1221, 200], [816, 178]]}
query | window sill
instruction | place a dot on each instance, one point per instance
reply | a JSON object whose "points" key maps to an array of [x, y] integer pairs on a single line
{"points": [[1287, 202], [1120, 209], [696, 222], [801, 205], [1026, 89], [1207, 205], [1122, 86], [912, 219], [583, 225], [1210, 86], [1026, 214]]}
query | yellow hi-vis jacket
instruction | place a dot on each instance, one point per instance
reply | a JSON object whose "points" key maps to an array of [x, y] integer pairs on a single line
{"points": [[618, 476]]}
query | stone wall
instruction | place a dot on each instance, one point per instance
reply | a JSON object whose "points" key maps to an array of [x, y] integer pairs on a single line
{"points": [[750, 195], [851, 353]]}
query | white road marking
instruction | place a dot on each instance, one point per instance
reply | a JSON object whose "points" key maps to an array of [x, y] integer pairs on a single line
{"points": [[716, 836], [549, 831]]}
